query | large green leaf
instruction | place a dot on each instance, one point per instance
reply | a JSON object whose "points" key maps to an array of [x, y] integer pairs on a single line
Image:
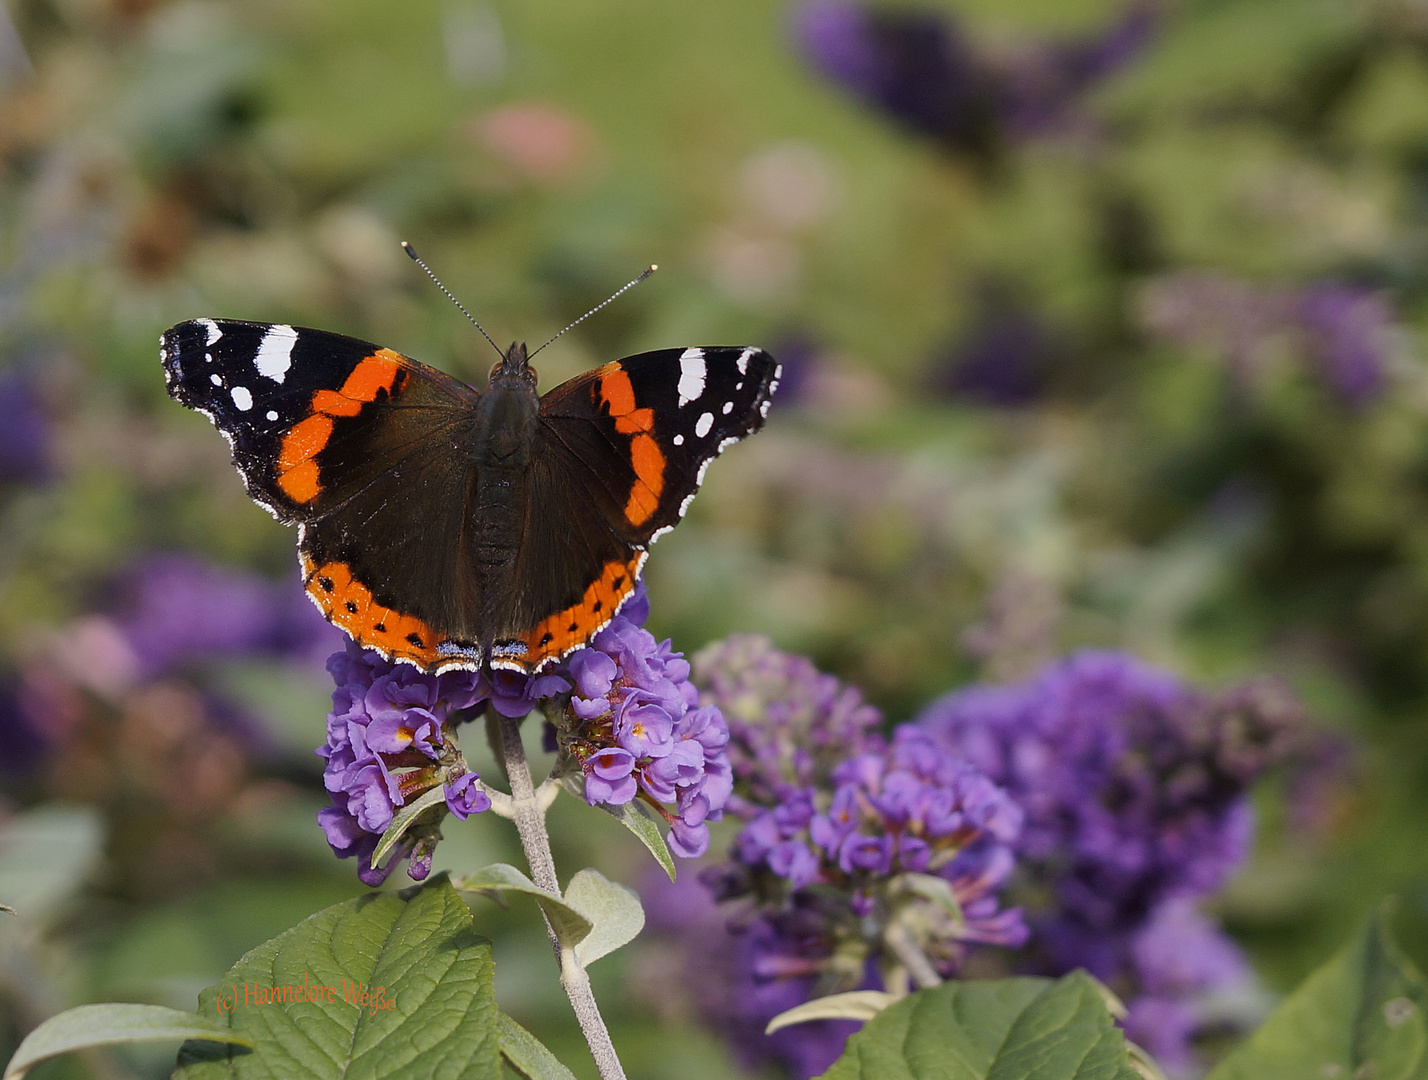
{"points": [[384, 986], [87, 1026], [1009, 1029], [1360, 1015]]}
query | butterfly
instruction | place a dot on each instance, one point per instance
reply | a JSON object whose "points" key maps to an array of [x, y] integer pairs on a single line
{"points": [[449, 527]]}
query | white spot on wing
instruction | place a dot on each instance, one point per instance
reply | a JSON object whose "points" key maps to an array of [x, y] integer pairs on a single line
{"points": [[272, 414], [275, 354], [211, 329], [215, 380], [705, 423], [728, 408], [691, 375], [743, 362], [242, 398], [678, 440]]}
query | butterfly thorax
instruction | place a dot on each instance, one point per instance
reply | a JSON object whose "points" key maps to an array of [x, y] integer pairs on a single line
{"points": [[505, 424]]}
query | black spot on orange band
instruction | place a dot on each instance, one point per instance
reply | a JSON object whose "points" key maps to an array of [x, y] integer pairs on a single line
{"points": [[348, 604]]}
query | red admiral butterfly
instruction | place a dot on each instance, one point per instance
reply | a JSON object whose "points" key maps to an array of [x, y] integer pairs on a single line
{"points": [[442, 525]]}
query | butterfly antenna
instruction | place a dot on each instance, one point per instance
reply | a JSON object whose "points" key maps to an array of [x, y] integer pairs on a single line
{"points": [[598, 306], [417, 259]]}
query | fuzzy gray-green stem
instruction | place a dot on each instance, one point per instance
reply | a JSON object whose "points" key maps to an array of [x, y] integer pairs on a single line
{"points": [[528, 811]]}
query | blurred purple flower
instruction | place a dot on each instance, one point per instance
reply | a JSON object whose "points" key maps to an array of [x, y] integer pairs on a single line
{"points": [[25, 440], [788, 723], [1135, 792], [1349, 328], [917, 67], [175, 610], [1004, 358], [748, 971], [1040, 87], [1345, 333]]}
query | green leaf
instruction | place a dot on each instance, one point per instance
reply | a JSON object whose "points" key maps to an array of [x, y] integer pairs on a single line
{"points": [[402, 820], [1009, 1029], [854, 1005], [89, 1026], [1360, 1015], [614, 911], [527, 1054], [387, 985], [570, 926], [633, 816]]}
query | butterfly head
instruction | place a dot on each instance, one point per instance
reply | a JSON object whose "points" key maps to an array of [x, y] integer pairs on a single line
{"points": [[513, 371]]}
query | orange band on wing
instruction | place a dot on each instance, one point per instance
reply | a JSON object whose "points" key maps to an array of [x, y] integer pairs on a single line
{"points": [[618, 394], [348, 604], [298, 474], [571, 628]]}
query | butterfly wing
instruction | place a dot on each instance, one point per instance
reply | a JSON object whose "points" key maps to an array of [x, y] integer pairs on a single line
{"points": [[621, 452], [359, 447]]}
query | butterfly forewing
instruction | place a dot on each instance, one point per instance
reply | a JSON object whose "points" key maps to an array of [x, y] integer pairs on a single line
{"points": [[640, 431]]}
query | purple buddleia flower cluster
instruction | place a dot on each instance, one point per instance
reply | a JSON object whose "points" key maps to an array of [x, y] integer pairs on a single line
{"points": [[920, 69], [850, 841], [1135, 789], [627, 720], [1344, 334], [634, 723], [389, 741]]}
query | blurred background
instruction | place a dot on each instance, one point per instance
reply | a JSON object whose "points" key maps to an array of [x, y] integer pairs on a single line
{"points": [[1100, 327]]}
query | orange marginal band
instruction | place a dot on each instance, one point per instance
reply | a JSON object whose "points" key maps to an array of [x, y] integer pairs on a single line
{"points": [[645, 454], [565, 630], [348, 604], [298, 475]]}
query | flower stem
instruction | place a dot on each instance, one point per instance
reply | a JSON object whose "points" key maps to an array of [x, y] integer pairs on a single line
{"points": [[913, 958], [529, 816]]}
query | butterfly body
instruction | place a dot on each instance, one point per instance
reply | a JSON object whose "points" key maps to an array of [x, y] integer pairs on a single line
{"points": [[448, 527]]}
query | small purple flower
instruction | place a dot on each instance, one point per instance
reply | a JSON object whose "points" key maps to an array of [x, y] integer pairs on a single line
{"points": [[464, 797], [609, 776]]}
